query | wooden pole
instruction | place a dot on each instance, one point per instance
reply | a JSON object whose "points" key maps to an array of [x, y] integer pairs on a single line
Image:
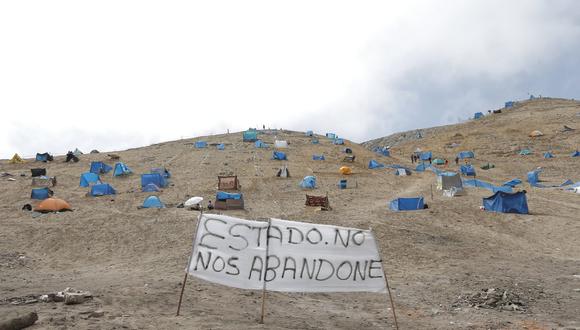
{"points": [[386, 282], [431, 185], [188, 264], [265, 272]]}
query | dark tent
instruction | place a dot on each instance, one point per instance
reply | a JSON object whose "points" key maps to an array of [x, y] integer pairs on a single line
{"points": [[38, 172], [102, 190], [100, 167], [45, 157], [507, 203], [154, 178]]}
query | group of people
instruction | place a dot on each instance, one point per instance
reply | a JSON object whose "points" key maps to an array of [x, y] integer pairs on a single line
{"points": [[415, 159]]}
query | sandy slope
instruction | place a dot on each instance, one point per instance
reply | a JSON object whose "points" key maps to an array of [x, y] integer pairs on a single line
{"points": [[133, 260]]}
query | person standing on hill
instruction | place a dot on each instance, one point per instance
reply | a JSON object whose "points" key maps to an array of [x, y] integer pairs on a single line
{"points": [[456, 160]]}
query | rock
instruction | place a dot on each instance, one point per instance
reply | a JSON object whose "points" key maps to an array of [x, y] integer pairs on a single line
{"points": [[74, 298], [19, 322], [97, 314]]}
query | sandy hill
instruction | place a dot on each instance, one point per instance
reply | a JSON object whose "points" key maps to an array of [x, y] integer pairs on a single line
{"points": [[133, 260]]}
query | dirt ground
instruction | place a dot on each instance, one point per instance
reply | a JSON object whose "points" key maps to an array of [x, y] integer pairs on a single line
{"points": [[133, 260]]}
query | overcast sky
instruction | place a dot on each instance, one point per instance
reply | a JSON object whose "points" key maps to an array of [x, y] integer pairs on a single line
{"points": [[116, 74]]}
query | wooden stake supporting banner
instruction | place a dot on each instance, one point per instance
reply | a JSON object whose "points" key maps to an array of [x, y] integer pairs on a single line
{"points": [[188, 263], [265, 272], [386, 282]]}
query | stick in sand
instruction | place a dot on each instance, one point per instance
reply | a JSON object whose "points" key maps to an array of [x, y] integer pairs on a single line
{"points": [[188, 264]]}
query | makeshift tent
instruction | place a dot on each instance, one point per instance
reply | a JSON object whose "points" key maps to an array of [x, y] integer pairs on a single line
{"points": [[475, 183], [466, 154], [281, 144], [41, 193], [548, 155], [16, 159], [152, 202], [402, 172], [53, 205], [345, 170], [260, 144], [278, 155], [438, 161], [452, 192], [229, 201], [154, 178], [45, 157], [422, 167], [121, 169], [407, 204], [487, 166], [150, 187], [193, 201], [318, 157], [94, 151], [512, 183], [525, 152], [467, 170], [509, 104], [507, 202], [575, 154], [478, 115], [38, 172], [536, 134], [448, 180], [534, 176], [426, 155], [321, 201], [70, 156], [77, 152], [228, 182], [338, 141], [102, 189], [44, 181], [250, 136], [374, 164], [314, 140], [201, 144], [221, 146], [283, 172], [309, 133], [161, 170], [331, 136], [309, 182], [384, 151], [89, 178], [100, 167]]}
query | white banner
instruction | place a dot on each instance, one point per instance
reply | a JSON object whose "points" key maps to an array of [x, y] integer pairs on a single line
{"points": [[302, 257]]}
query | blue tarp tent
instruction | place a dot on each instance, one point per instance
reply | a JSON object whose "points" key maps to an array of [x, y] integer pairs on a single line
{"points": [[161, 170], [201, 144], [465, 154], [152, 202], [407, 204], [548, 155], [534, 177], [342, 184], [309, 182], [468, 170], [507, 203], [309, 133], [374, 164], [525, 152], [42, 157], [509, 104], [485, 185], [121, 169], [150, 187], [260, 144], [512, 183], [40, 193], [250, 136], [278, 155], [154, 178], [338, 141], [318, 157], [314, 140], [89, 178], [221, 146], [102, 189], [426, 155], [421, 167], [576, 154], [478, 115], [222, 196], [100, 167], [331, 136], [383, 152]]}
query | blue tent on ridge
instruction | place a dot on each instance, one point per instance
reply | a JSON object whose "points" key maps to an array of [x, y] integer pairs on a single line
{"points": [[221, 146], [309, 182], [100, 168], [150, 187], [121, 169], [152, 202], [331, 136], [426, 155], [222, 196], [576, 154], [41, 193], [338, 141], [309, 133], [548, 154], [102, 189], [509, 104], [260, 144], [534, 177], [407, 204], [507, 202], [478, 115], [278, 155], [250, 135], [45, 157], [89, 178], [201, 144], [154, 178], [318, 157], [374, 164], [467, 170], [465, 154]]}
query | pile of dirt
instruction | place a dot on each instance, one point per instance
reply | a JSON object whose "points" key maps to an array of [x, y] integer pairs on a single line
{"points": [[493, 298]]}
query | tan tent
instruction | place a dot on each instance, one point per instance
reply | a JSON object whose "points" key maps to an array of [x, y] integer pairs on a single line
{"points": [[53, 205], [16, 159], [536, 133], [228, 183], [345, 170], [446, 182]]}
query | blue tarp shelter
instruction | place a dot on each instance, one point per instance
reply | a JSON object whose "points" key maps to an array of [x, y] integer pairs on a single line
{"points": [[150, 187], [201, 144], [331, 136], [89, 178], [318, 157], [383, 152], [512, 183], [534, 177], [161, 170], [260, 144], [40, 193], [421, 167], [152, 202], [478, 115], [374, 164], [102, 189], [342, 184], [465, 154], [221, 146], [222, 196], [509, 104], [309, 133], [42, 157], [250, 136], [548, 155], [426, 155], [121, 169], [525, 152], [278, 155], [575, 154], [507, 202], [154, 178], [485, 185], [407, 204], [309, 182], [314, 140], [467, 170], [338, 141], [100, 168]]}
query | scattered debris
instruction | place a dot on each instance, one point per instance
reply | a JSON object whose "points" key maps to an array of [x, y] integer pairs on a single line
{"points": [[494, 298], [69, 296]]}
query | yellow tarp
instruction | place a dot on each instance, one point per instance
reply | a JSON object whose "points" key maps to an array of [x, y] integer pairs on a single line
{"points": [[16, 159], [345, 170]]}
